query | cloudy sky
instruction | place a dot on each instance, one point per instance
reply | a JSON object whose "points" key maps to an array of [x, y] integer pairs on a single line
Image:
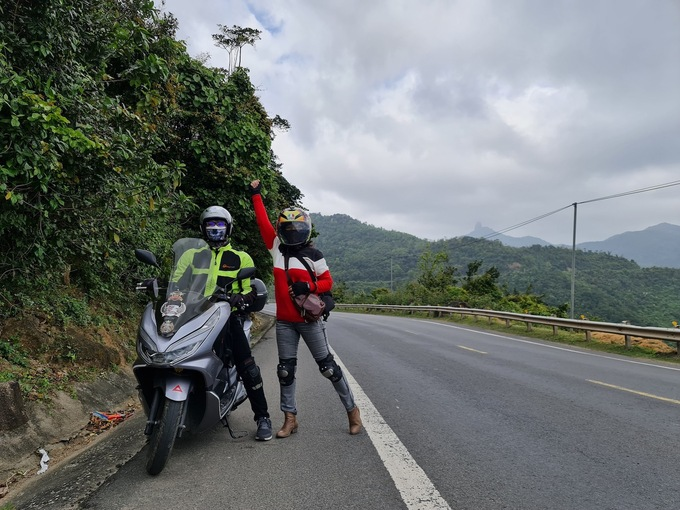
{"points": [[429, 116]]}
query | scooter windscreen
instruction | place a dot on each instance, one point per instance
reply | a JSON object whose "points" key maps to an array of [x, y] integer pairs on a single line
{"points": [[185, 297]]}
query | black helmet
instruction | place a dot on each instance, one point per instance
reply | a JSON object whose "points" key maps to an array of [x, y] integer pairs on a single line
{"points": [[216, 226], [294, 226]]}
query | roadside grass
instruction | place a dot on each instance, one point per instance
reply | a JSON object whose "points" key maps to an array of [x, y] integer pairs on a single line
{"points": [[602, 342], [40, 381]]}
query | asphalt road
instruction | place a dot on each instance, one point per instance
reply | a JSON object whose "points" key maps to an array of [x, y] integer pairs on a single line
{"points": [[455, 418]]}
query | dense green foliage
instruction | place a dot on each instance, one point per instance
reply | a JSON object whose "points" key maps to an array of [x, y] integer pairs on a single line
{"points": [[114, 138], [488, 274]]}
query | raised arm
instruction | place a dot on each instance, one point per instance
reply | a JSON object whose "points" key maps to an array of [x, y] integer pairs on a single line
{"points": [[267, 230]]}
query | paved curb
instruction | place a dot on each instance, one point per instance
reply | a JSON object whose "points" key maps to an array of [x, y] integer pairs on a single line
{"points": [[67, 485], [268, 322]]}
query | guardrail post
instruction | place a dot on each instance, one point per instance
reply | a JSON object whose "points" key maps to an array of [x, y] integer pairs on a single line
{"points": [[588, 335], [554, 330], [627, 340], [528, 326]]}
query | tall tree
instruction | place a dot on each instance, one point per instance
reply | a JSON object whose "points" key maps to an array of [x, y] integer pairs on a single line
{"points": [[233, 39], [435, 272]]}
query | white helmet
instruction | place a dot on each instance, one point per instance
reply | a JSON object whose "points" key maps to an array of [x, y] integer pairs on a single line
{"points": [[216, 225]]}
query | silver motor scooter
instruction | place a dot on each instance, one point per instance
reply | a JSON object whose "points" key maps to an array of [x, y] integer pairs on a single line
{"points": [[184, 386]]}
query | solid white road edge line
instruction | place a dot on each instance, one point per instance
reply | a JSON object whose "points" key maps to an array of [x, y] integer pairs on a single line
{"points": [[416, 489], [538, 344]]}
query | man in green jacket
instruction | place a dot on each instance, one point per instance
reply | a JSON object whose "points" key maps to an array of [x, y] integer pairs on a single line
{"points": [[218, 266]]}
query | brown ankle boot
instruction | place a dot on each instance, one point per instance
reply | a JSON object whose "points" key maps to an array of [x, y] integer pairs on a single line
{"points": [[354, 421], [290, 425]]}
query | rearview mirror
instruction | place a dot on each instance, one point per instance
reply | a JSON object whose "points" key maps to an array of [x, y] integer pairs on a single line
{"points": [[147, 257]]}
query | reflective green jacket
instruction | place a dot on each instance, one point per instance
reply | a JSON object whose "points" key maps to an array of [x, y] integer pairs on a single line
{"points": [[217, 267]]}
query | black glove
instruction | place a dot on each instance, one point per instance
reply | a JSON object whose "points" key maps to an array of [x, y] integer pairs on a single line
{"points": [[150, 285], [237, 301], [256, 190], [299, 288]]}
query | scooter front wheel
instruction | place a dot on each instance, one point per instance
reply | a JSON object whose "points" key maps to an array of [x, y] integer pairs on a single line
{"points": [[163, 436]]}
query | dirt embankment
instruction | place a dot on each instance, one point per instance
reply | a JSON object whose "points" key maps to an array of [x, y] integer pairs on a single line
{"points": [[66, 373]]}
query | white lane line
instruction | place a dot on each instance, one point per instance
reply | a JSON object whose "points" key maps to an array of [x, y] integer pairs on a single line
{"points": [[582, 353], [641, 393], [471, 349], [416, 489]]}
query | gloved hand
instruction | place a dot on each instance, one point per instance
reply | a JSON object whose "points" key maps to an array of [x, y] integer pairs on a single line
{"points": [[148, 283], [299, 288], [237, 301], [255, 187]]}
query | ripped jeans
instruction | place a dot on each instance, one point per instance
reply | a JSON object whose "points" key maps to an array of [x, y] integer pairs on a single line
{"points": [[314, 334]]}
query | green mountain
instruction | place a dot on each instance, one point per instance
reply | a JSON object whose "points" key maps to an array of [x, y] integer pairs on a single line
{"points": [[365, 257], [607, 287], [658, 246]]}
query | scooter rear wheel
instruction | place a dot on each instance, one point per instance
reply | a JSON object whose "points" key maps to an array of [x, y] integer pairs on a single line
{"points": [[163, 436]]}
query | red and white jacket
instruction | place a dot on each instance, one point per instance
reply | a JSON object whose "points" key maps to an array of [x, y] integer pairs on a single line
{"points": [[285, 308]]}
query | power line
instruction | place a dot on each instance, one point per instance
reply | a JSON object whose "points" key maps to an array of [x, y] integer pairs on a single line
{"points": [[625, 193], [508, 229], [527, 222]]}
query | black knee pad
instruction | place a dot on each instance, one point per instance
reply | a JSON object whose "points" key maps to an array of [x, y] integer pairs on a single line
{"points": [[286, 370], [250, 373], [330, 369]]}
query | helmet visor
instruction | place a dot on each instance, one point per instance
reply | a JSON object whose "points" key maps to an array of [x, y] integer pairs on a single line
{"points": [[293, 232], [216, 231]]}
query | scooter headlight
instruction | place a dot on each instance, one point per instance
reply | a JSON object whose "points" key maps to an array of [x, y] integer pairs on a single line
{"points": [[169, 357]]}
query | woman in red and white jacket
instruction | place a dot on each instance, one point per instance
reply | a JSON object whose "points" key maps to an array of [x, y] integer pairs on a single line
{"points": [[289, 245]]}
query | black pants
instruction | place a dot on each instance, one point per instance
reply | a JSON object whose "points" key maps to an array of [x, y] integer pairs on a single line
{"points": [[237, 342]]}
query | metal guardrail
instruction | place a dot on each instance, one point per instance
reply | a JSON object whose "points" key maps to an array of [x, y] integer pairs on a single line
{"points": [[588, 327]]}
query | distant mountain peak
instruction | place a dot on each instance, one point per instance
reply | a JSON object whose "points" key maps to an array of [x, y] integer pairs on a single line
{"points": [[482, 232]]}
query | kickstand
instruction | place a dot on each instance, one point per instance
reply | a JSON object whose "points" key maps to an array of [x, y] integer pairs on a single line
{"points": [[237, 435]]}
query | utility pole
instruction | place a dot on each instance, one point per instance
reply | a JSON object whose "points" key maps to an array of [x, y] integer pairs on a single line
{"points": [[573, 263], [391, 278]]}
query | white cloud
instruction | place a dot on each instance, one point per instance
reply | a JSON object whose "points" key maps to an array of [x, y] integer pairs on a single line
{"points": [[428, 116], [542, 114]]}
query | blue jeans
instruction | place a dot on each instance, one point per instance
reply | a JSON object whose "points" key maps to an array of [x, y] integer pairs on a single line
{"points": [[314, 334]]}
